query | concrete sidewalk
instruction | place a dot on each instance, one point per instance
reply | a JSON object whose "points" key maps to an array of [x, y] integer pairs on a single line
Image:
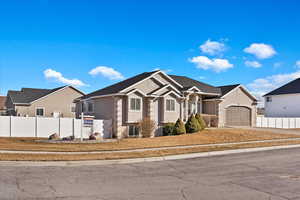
{"points": [[149, 149]]}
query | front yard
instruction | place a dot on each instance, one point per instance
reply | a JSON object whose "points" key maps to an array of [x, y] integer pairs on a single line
{"points": [[210, 136]]}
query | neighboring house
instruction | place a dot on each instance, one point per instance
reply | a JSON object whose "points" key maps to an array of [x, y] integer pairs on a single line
{"points": [[165, 98], [2, 105], [284, 101], [31, 102]]}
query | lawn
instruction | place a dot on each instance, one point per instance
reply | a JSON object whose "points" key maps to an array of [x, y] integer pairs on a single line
{"points": [[211, 136], [129, 155]]}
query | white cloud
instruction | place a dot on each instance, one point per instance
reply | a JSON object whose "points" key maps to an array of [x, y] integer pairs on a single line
{"points": [[212, 47], [298, 63], [107, 72], [215, 64], [57, 76], [260, 50], [253, 64], [269, 83]]}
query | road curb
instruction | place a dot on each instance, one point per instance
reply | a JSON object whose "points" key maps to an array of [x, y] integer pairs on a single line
{"points": [[140, 160]]}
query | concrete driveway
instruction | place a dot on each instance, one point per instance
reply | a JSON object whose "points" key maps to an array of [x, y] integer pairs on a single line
{"points": [[264, 175]]}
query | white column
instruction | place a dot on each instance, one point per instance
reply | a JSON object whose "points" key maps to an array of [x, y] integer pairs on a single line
{"points": [[186, 114], [196, 104]]}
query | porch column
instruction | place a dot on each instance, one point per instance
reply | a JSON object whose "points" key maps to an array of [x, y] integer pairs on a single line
{"points": [[181, 109], [151, 114], [200, 104], [196, 104], [117, 121], [186, 101]]}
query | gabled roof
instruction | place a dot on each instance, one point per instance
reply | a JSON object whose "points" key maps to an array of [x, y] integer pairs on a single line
{"points": [[292, 87], [227, 88], [115, 88], [188, 83], [28, 95], [2, 102]]}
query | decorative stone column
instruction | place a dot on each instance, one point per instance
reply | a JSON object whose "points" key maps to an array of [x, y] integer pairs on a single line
{"points": [[117, 128], [200, 104], [186, 101], [151, 114]]}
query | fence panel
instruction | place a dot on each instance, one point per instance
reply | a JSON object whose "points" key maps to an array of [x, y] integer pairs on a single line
{"points": [[66, 127], [44, 127], [270, 122], [23, 127], [47, 126], [4, 126]]}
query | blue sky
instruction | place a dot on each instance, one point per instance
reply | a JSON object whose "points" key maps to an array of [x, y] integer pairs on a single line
{"points": [[46, 44]]}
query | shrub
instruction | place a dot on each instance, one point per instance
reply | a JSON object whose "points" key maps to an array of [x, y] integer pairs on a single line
{"points": [[210, 120], [146, 126], [201, 121], [179, 128], [192, 125], [168, 129]]}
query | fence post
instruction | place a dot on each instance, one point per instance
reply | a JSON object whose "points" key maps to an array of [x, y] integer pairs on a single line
{"points": [[36, 127], [10, 126], [73, 127], [59, 126]]}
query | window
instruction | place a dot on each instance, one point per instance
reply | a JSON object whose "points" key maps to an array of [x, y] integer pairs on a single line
{"points": [[269, 99], [90, 107], [133, 131], [135, 104], [170, 105], [39, 112]]}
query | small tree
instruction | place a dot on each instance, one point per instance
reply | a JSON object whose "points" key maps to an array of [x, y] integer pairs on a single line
{"points": [[179, 128], [201, 121], [192, 125], [147, 126], [168, 129]]}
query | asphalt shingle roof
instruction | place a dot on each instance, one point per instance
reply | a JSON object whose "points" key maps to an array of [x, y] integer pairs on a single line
{"points": [[182, 80], [27, 95], [227, 88], [115, 88], [289, 88], [188, 83]]}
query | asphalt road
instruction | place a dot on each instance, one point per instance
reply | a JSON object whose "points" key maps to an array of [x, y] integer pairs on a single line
{"points": [[258, 176]]}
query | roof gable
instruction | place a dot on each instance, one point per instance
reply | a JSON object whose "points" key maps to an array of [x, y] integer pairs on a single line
{"points": [[28, 95], [227, 88], [289, 88], [188, 83]]}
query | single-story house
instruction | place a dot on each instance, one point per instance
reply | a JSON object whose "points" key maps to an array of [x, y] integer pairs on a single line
{"points": [[2, 105], [57, 102], [284, 101], [165, 98]]}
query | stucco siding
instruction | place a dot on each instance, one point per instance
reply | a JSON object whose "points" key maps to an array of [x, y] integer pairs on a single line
{"points": [[103, 108], [286, 105], [60, 101], [134, 115], [171, 116], [210, 107], [236, 97]]}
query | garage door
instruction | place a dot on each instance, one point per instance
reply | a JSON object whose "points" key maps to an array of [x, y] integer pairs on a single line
{"points": [[238, 116]]}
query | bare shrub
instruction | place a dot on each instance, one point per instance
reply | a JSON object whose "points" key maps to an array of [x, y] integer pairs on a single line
{"points": [[147, 127]]}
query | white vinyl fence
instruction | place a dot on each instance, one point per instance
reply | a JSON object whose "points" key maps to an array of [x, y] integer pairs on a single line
{"points": [[273, 122], [11, 126]]}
